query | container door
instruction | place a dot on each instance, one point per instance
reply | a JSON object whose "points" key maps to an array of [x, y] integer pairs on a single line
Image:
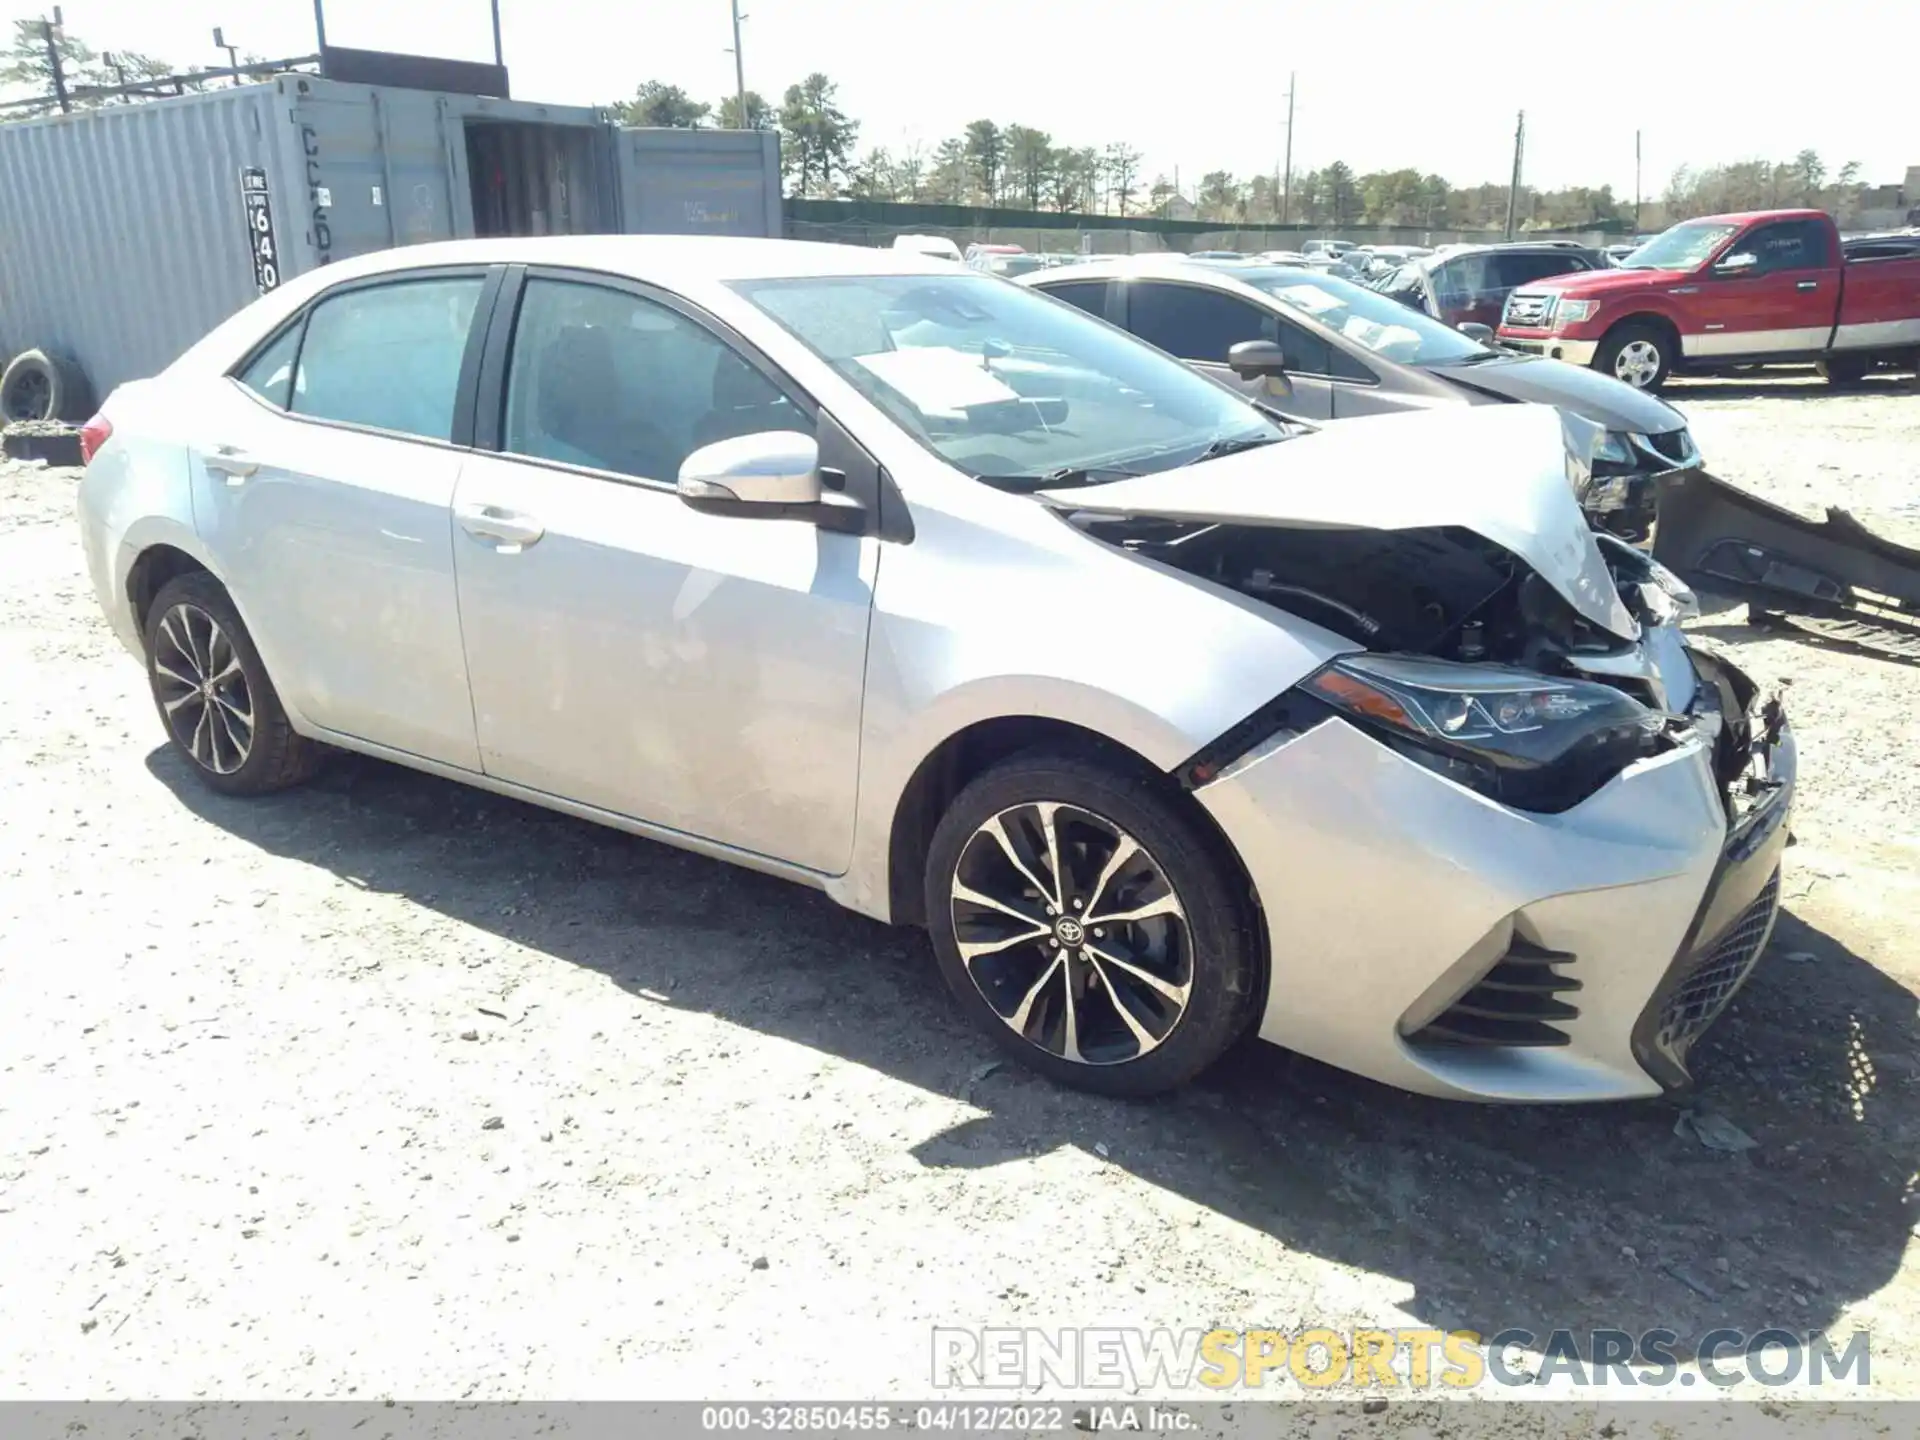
{"points": [[699, 182]]}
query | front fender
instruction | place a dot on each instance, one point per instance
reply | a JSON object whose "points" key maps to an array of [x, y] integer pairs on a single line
{"points": [[1049, 623]]}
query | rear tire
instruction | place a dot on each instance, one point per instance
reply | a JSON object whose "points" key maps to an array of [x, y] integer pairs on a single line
{"points": [[37, 385], [222, 714], [1136, 1005], [1637, 355], [1844, 370]]}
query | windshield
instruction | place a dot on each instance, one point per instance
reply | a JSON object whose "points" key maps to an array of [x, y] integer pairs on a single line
{"points": [[1377, 321], [1684, 247], [1003, 382]]}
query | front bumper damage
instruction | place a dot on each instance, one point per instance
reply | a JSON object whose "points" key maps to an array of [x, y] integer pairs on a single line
{"points": [[1844, 581], [1427, 937]]}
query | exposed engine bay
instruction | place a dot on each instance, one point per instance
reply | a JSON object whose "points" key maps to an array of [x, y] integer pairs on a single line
{"points": [[1449, 594], [1443, 592]]}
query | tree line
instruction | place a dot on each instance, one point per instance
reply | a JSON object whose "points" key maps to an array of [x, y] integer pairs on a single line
{"points": [[1020, 167], [1016, 166]]}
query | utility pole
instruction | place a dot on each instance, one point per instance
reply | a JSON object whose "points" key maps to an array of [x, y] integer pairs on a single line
{"points": [[739, 70], [1286, 189], [233, 52], [49, 31], [499, 55], [1636, 182], [1513, 190]]}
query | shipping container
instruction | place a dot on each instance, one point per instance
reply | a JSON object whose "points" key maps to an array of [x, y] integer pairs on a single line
{"points": [[128, 231]]}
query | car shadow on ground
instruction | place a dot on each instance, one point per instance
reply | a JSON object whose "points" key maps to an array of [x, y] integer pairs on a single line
{"points": [[1494, 1217]]}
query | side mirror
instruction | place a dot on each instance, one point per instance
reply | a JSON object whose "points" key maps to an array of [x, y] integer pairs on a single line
{"points": [[775, 474], [1474, 330], [1262, 360], [1736, 264]]}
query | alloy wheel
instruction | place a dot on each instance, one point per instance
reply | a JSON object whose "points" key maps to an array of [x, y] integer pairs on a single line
{"points": [[1072, 933], [1637, 363], [202, 689]]}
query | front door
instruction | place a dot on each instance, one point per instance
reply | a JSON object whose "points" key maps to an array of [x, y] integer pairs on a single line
{"points": [[1200, 325], [1780, 303], [703, 673], [322, 473]]}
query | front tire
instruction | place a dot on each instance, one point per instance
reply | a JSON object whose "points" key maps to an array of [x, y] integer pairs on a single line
{"points": [[1089, 926], [1637, 355], [221, 711]]}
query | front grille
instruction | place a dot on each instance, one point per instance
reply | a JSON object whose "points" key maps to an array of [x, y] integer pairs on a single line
{"points": [[1517, 1002], [1530, 347], [1717, 971], [1528, 311]]}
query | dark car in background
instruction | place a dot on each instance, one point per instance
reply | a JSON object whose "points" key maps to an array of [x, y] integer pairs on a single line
{"points": [[1348, 351], [1469, 284]]}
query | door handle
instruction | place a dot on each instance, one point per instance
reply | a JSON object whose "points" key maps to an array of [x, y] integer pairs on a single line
{"points": [[231, 462], [1808, 285], [512, 532]]}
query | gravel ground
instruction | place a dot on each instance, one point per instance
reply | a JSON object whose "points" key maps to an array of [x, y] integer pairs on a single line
{"points": [[387, 1087]]}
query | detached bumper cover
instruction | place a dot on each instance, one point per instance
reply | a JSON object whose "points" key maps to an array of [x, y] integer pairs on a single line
{"points": [[1394, 899]]}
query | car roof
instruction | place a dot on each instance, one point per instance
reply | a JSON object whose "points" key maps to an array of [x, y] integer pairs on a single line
{"points": [[1742, 217], [663, 259]]}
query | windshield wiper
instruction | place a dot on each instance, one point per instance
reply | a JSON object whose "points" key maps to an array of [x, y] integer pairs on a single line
{"points": [[1065, 478], [1233, 444]]}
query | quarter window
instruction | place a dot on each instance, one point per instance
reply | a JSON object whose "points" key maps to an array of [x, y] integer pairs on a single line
{"points": [[612, 381], [387, 356], [1089, 295], [1195, 324], [270, 375]]}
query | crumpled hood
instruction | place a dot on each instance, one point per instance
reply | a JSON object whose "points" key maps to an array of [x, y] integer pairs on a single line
{"points": [[1497, 470], [1600, 398]]}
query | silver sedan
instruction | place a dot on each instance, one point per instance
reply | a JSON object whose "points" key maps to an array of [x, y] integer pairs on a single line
{"points": [[1167, 721]]}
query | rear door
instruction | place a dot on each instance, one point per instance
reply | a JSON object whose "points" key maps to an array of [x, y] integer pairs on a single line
{"points": [[1781, 303], [698, 672], [1200, 325], [1880, 304], [323, 470]]}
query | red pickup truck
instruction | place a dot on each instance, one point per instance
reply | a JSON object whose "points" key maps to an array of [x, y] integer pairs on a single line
{"points": [[1773, 286]]}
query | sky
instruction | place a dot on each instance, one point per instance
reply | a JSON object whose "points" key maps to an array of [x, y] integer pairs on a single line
{"points": [[1195, 85]]}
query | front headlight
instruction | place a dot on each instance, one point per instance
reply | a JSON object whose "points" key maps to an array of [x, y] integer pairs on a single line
{"points": [[1614, 446], [1526, 740], [1572, 312]]}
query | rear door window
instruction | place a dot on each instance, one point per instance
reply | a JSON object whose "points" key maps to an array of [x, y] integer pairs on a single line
{"points": [[388, 356], [1193, 323]]}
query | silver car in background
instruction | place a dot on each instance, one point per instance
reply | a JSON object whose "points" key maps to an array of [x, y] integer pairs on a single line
{"points": [[968, 609]]}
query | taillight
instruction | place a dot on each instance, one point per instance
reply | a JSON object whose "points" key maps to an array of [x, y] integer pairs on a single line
{"points": [[95, 433]]}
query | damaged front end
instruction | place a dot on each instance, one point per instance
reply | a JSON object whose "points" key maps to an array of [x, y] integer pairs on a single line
{"points": [[1508, 649], [1472, 663]]}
